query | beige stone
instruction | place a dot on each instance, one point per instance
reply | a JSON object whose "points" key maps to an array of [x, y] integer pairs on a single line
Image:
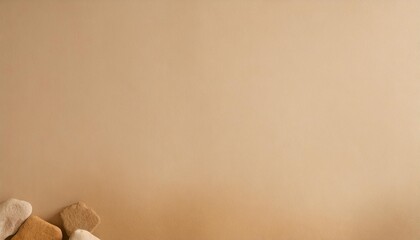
{"points": [[79, 216], [34, 228], [80, 234], [13, 213]]}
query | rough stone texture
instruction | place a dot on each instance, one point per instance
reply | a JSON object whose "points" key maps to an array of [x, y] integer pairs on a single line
{"points": [[35, 228], [79, 216], [13, 213], [80, 234]]}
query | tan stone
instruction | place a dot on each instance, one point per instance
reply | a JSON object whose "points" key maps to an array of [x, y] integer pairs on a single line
{"points": [[34, 228], [79, 216]]}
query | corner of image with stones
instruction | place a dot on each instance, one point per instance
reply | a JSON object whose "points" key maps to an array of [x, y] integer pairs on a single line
{"points": [[18, 223]]}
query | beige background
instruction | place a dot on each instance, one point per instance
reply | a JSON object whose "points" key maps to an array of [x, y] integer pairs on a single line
{"points": [[197, 120]]}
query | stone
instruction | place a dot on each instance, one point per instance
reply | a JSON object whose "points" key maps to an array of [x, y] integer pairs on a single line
{"points": [[34, 228], [13, 213], [79, 216], [81, 234]]}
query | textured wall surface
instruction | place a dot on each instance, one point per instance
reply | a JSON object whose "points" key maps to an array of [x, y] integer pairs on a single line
{"points": [[196, 120]]}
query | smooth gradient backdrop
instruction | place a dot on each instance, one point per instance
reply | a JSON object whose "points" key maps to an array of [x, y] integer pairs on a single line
{"points": [[227, 120]]}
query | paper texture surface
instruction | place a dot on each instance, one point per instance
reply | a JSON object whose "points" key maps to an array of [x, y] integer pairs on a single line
{"points": [[200, 120]]}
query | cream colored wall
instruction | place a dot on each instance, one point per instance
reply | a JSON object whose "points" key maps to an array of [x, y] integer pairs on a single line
{"points": [[199, 120]]}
